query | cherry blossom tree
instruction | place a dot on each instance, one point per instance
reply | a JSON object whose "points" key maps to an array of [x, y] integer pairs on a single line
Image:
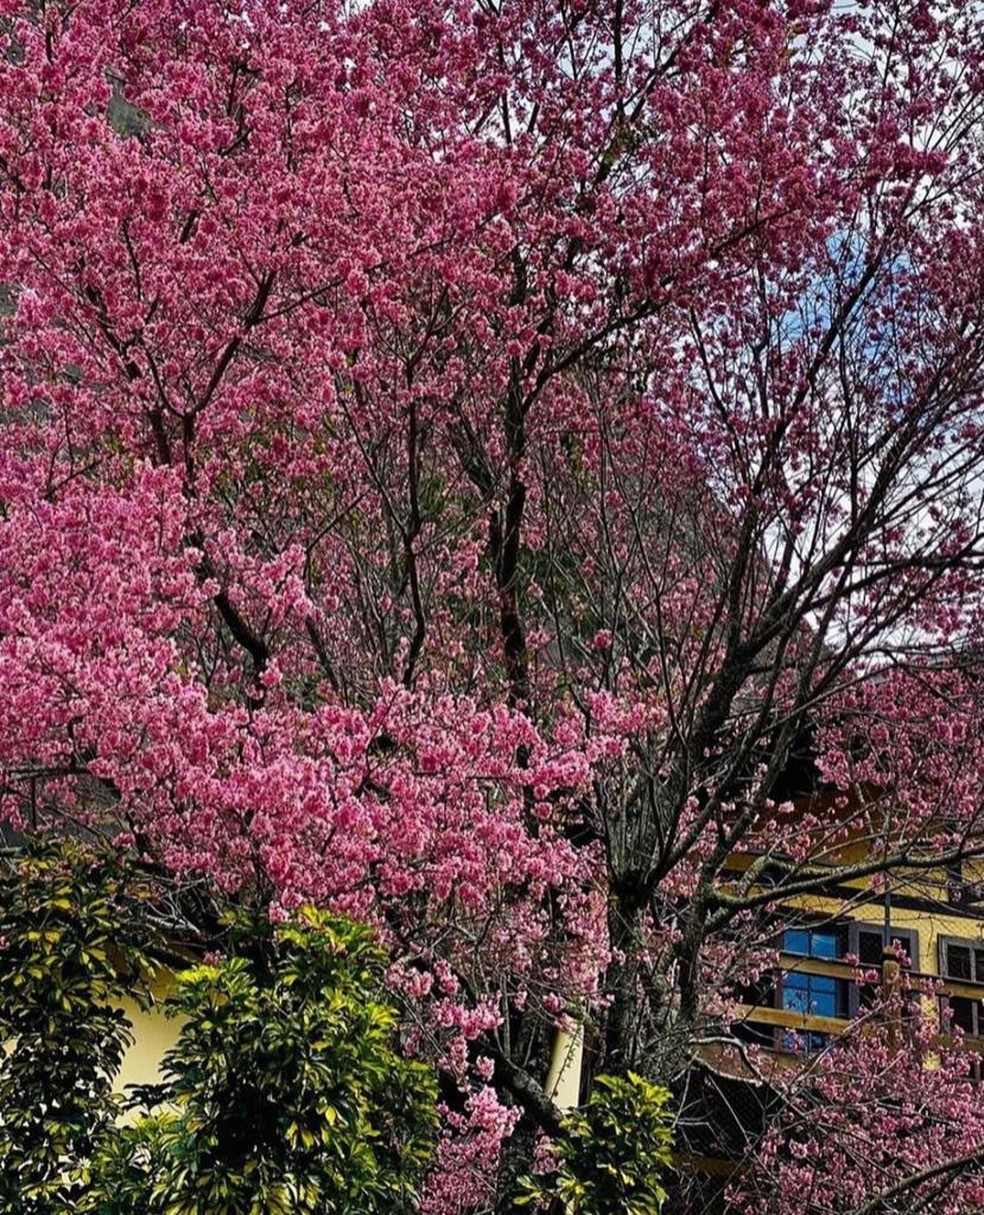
{"points": [[482, 467], [889, 1123]]}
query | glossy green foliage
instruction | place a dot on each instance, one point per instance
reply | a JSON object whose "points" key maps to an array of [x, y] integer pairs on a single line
{"points": [[67, 950], [286, 1092], [615, 1152]]}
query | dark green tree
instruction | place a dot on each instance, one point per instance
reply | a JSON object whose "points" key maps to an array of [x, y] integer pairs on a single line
{"points": [[614, 1153], [287, 1091], [68, 950]]}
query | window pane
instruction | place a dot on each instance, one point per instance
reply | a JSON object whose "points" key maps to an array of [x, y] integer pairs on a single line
{"points": [[796, 993], [813, 942], [958, 961], [962, 1015], [814, 994], [870, 948], [824, 1004], [823, 995], [825, 944], [796, 940], [805, 1044]]}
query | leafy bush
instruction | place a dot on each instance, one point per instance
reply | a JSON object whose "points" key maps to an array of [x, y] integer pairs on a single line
{"points": [[613, 1152], [67, 951], [286, 1092]]}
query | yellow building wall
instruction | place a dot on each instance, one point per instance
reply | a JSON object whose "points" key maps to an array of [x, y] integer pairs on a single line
{"points": [[930, 921], [153, 1035]]}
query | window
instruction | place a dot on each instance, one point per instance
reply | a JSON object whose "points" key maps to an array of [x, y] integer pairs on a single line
{"points": [[817, 982], [964, 887], [813, 994], [826, 942], [835, 995], [818, 995], [963, 961], [869, 943]]}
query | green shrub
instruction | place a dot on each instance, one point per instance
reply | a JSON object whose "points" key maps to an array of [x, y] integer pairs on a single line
{"points": [[613, 1152], [67, 951], [286, 1092]]}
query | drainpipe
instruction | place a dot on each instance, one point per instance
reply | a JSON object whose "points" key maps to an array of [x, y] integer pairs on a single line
{"points": [[563, 1081]]}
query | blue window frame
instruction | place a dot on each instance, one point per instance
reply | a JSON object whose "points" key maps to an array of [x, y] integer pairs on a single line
{"points": [[823, 942], [840, 995], [814, 995]]}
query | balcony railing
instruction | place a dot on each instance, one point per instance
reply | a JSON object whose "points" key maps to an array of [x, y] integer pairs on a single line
{"points": [[813, 1023]]}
